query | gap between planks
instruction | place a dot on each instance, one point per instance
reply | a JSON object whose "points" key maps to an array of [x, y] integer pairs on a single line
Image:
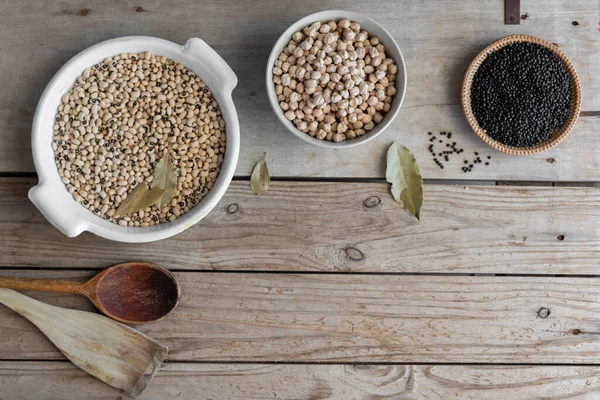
{"points": [[92, 272], [318, 363], [464, 182]]}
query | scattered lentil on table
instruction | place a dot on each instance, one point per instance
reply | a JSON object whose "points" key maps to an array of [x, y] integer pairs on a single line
{"points": [[449, 150], [334, 81], [117, 121], [521, 94]]}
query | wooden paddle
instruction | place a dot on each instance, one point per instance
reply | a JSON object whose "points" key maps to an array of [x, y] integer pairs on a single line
{"points": [[112, 352]]}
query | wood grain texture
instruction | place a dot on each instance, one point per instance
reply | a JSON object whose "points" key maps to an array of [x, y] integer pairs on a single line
{"points": [[341, 227], [438, 41], [235, 317], [61, 381]]}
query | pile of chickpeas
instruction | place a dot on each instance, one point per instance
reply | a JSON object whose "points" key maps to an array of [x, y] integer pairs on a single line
{"points": [[334, 81]]}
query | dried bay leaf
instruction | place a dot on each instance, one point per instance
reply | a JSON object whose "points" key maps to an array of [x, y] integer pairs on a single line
{"points": [[165, 177], [139, 198], [260, 179], [403, 173]]}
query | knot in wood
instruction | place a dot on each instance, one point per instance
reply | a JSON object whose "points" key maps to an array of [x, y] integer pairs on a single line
{"points": [[576, 331], [372, 201], [232, 208], [354, 254], [543, 312]]}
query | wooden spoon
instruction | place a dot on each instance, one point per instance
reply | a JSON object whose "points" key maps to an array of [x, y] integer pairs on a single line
{"points": [[110, 351], [133, 292]]}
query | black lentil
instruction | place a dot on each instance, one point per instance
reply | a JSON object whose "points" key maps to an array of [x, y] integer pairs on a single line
{"points": [[521, 94]]}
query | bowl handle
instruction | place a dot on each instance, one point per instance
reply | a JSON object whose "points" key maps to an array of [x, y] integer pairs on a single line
{"points": [[48, 201], [204, 53]]}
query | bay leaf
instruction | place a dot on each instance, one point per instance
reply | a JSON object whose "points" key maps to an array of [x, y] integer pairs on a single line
{"points": [[139, 198], [165, 177], [260, 179], [403, 173]]}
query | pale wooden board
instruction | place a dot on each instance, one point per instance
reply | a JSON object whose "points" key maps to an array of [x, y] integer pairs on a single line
{"points": [[438, 40], [234, 317], [308, 226], [62, 381]]}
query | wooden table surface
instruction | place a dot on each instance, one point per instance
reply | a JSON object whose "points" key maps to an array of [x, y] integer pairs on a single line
{"points": [[324, 287]]}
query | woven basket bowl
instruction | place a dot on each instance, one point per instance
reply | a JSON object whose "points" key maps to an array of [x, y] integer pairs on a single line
{"points": [[573, 111]]}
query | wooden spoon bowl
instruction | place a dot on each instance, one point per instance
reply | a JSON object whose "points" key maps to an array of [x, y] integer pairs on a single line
{"points": [[133, 292]]}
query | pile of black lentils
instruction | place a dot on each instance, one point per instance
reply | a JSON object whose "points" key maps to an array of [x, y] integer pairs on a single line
{"points": [[521, 94]]}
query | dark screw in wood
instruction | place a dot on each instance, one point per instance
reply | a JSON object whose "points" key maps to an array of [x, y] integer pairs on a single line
{"points": [[561, 237], [543, 312], [233, 208], [371, 201], [354, 254], [576, 331]]}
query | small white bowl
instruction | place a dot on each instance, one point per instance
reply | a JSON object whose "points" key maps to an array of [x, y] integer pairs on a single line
{"points": [[50, 195], [374, 29]]}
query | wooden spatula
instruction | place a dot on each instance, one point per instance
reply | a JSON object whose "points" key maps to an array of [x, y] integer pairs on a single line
{"points": [[112, 352]]}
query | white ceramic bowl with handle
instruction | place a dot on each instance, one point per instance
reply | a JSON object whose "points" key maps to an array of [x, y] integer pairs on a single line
{"points": [[374, 29], [50, 195]]}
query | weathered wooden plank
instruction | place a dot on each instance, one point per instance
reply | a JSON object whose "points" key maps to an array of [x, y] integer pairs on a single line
{"points": [[62, 381], [576, 159], [437, 39], [234, 317], [347, 227]]}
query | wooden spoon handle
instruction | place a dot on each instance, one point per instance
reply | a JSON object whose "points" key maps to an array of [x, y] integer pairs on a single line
{"points": [[43, 285]]}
